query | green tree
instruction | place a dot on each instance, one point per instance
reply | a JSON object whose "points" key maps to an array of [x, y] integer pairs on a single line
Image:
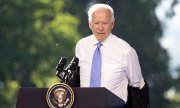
{"points": [[33, 36], [173, 94]]}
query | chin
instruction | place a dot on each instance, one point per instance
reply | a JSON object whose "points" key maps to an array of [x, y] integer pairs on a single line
{"points": [[101, 39]]}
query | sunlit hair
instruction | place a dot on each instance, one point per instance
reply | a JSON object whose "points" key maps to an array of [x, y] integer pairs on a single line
{"points": [[95, 7]]}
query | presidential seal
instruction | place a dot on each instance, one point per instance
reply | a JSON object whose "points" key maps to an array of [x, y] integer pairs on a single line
{"points": [[60, 96]]}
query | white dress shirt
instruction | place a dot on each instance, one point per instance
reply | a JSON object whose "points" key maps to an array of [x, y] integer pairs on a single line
{"points": [[120, 64]]}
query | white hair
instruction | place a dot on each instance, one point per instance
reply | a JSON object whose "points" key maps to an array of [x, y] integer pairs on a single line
{"points": [[95, 7]]}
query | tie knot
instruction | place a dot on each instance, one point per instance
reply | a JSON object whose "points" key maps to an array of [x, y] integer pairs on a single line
{"points": [[99, 44]]}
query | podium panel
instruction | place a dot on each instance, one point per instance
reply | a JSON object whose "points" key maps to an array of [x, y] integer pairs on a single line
{"points": [[84, 98], [32, 98]]}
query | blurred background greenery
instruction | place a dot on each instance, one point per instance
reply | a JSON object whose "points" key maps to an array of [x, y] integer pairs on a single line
{"points": [[35, 34]]}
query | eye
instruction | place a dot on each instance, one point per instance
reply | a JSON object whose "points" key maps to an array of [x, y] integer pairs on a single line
{"points": [[105, 22], [96, 22]]}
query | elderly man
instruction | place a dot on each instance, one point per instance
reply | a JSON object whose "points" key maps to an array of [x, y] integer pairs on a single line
{"points": [[106, 60]]}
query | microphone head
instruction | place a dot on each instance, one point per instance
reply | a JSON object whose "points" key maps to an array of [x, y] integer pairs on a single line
{"points": [[63, 60], [75, 60], [61, 64], [74, 64]]}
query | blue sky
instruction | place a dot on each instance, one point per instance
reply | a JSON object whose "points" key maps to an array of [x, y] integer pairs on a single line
{"points": [[171, 32]]}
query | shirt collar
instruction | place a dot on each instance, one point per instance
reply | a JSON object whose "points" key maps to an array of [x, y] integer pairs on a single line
{"points": [[94, 40], [107, 41], [104, 43]]}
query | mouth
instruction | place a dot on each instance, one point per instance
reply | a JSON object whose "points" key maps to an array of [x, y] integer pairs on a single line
{"points": [[100, 33]]}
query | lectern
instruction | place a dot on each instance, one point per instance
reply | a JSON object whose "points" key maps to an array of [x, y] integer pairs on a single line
{"points": [[84, 98]]}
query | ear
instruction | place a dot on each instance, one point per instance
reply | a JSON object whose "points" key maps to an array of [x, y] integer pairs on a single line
{"points": [[112, 26], [90, 25]]}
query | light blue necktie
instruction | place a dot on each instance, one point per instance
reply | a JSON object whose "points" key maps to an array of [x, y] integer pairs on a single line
{"points": [[96, 67]]}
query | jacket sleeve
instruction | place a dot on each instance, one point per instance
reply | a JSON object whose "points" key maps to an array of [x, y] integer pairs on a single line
{"points": [[138, 98]]}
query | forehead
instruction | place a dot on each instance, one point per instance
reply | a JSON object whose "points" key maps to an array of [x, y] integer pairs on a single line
{"points": [[101, 13]]}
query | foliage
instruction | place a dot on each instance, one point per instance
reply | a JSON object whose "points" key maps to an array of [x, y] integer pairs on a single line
{"points": [[33, 36], [173, 94]]}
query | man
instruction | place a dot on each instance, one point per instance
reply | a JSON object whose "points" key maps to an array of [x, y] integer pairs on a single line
{"points": [[119, 64]]}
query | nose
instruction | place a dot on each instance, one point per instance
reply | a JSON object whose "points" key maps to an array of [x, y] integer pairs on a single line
{"points": [[100, 26]]}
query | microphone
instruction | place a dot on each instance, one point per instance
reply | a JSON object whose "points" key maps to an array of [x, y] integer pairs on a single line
{"points": [[73, 64], [60, 68], [72, 68], [67, 74]]}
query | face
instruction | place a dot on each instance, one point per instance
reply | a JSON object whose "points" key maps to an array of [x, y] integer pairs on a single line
{"points": [[101, 24]]}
